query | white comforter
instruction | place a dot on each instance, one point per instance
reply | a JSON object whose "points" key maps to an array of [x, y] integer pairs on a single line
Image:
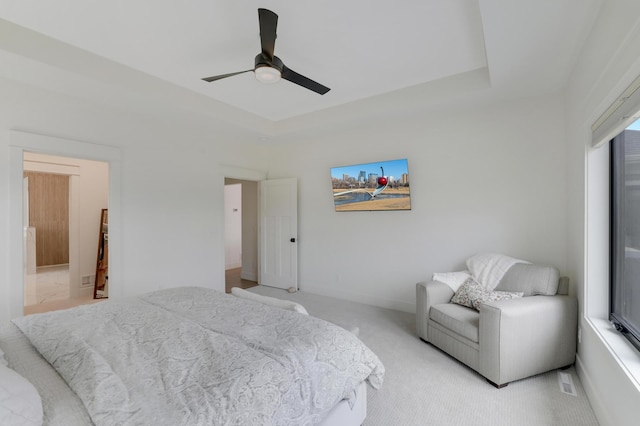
{"points": [[191, 356]]}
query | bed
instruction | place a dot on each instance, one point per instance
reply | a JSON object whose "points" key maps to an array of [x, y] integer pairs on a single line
{"points": [[190, 356]]}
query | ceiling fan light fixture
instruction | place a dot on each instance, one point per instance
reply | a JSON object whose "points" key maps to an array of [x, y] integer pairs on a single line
{"points": [[267, 74], [268, 68]]}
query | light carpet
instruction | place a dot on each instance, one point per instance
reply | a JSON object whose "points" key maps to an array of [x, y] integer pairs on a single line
{"points": [[424, 386]]}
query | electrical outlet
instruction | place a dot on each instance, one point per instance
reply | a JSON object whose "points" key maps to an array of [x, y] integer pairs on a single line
{"points": [[87, 280]]}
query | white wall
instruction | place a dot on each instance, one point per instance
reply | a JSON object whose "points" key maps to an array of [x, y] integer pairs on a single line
{"points": [[490, 179], [232, 226], [608, 63], [172, 220]]}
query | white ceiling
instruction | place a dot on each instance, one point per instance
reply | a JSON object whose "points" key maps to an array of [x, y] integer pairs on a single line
{"points": [[366, 51]]}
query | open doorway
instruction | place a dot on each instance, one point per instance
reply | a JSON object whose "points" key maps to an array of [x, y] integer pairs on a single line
{"points": [[241, 233], [23, 142], [47, 237], [61, 197]]}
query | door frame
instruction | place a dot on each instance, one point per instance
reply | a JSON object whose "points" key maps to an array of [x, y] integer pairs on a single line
{"points": [[19, 142]]}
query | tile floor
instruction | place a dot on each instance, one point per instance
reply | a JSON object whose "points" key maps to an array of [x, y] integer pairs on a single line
{"points": [[47, 284], [48, 290]]}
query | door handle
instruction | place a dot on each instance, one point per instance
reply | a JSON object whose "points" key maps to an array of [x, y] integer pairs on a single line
{"points": [[293, 240]]}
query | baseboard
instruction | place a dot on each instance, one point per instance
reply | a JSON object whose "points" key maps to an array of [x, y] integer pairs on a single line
{"points": [[592, 394], [85, 292], [381, 302], [248, 275]]}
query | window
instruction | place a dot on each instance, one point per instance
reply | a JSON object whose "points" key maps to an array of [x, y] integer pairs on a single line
{"points": [[625, 233]]}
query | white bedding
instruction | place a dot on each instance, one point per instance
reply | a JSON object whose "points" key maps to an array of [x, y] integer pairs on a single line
{"points": [[20, 402], [194, 356], [60, 404]]}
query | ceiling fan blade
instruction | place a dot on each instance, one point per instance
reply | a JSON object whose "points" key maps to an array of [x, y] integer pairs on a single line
{"points": [[301, 80], [220, 77], [268, 24]]}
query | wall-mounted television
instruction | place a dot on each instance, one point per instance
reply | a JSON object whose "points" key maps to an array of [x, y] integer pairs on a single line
{"points": [[379, 186]]}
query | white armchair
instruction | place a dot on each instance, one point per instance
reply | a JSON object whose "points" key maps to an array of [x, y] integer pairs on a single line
{"points": [[504, 340]]}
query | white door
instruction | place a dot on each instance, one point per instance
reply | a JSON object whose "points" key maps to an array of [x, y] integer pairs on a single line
{"points": [[279, 233]]}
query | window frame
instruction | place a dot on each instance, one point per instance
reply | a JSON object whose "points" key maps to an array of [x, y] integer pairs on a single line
{"points": [[617, 237]]}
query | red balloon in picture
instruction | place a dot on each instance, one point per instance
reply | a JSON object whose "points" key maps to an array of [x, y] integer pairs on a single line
{"points": [[382, 181]]}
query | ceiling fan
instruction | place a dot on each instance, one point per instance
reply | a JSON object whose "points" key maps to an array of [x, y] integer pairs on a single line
{"points": [[268, 67]]}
